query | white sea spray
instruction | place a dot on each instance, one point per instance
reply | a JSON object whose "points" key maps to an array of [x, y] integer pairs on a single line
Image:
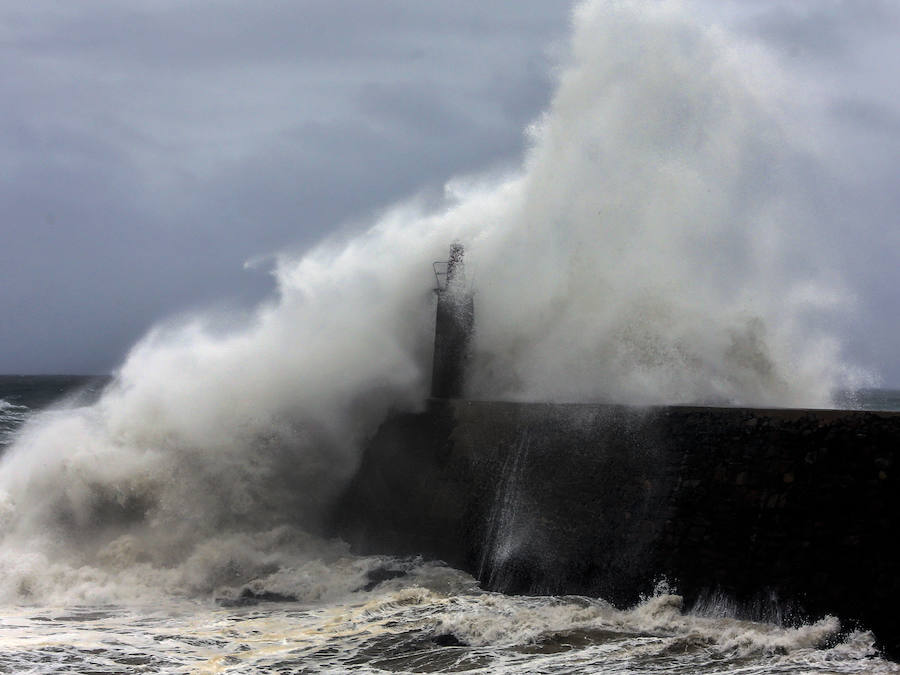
{"points": [[650, 249]]}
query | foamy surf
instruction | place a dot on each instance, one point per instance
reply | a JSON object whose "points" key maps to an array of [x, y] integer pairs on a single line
{"points": [[432, 619]]}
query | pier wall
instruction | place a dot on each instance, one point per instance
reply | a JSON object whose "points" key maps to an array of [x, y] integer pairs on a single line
{"points": [[788, 514]]}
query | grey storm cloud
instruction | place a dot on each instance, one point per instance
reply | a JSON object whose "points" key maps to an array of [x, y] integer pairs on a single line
{"points": [[148, 149], [830, 30]]}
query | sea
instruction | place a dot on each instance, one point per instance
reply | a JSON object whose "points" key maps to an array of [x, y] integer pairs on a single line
{"points": [[329, 611]]}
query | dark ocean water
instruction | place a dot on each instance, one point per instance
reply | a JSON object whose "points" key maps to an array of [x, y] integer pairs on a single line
{"points": [[22, 395], [349, 615], [40, 391]]}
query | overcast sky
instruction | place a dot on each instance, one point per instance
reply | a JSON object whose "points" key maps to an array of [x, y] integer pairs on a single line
{"points": [[151, 147]]}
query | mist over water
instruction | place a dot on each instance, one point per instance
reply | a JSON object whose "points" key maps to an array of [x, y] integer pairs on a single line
{"points": [[645, 252]]}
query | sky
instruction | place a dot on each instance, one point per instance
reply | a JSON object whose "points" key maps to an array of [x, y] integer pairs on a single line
{"points": [[155, 154]]}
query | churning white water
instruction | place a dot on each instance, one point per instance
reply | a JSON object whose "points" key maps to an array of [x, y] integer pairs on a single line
{"points": [[650, 250], [437, 624]]}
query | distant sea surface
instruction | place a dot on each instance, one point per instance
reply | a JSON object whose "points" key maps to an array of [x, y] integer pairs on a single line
{"points": [[871, 399], [348, 613], [22, 395]]}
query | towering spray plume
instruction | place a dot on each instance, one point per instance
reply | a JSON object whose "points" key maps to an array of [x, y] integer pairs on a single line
{"points": [[649, 252], [643, 254]]}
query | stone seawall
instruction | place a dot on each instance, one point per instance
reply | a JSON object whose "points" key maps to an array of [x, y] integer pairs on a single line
{"points": [[783, 513]]}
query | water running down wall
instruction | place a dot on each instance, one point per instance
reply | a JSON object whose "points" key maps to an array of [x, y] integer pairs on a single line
{"points": [[773, 514]]}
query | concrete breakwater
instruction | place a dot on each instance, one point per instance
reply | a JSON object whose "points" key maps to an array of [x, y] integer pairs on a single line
{"points": [[785, 514]]}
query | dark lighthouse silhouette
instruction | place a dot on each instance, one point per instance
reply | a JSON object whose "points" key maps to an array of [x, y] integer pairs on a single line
{"points": [[454, 322]]}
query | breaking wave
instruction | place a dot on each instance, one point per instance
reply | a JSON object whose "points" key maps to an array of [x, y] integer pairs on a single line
{"points": [[646, 252]]}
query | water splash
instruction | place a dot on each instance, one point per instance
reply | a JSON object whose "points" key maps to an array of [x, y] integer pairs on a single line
{"points": [[650, 249], [505, 531]]}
